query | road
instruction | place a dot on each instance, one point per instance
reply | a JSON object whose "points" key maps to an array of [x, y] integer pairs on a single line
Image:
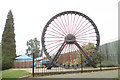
{"points": [[103, 74]]}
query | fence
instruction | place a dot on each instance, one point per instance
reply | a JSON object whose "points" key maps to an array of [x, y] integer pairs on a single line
{"points": [[108, 51], [23, 64]]}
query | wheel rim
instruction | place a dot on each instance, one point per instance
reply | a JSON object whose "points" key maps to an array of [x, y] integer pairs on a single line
{"points": [[79, 26]]}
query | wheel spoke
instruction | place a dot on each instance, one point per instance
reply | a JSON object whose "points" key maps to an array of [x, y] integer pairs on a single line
{"points": [[54, 41], [58, 53], [57, 28], [79, 27], [85, 34], [60, 28], [76, 24], [86, 56], [57, 31], [87, 31], [63, 24], [54, 46], [73, 23], [71, 26], [78, 54], [85, 28]]}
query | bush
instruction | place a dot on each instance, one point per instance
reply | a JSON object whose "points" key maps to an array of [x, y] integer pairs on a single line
{"points": [[96, 59]]}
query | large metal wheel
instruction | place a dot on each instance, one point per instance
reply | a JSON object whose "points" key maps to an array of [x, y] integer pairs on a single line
{"points": [[66, 36]]}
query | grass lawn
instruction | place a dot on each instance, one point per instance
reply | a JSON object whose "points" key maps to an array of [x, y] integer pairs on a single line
{"points": [[118, 78], [10, 73]]}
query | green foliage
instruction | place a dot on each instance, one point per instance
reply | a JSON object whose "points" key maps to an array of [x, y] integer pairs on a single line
{"points": [[118, 78], [41, 53], [96, 59], [33, 47], [0, 46], [89, 49], [0, 56], [8, 43]]}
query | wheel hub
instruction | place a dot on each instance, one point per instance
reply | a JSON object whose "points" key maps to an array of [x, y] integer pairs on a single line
{"points": [[70, 39]]}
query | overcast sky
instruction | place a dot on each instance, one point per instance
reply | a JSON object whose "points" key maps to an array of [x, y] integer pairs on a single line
{"points": [[30, 17]]}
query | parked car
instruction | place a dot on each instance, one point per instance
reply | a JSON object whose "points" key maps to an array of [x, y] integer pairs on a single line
{"points": [[46, 62]]}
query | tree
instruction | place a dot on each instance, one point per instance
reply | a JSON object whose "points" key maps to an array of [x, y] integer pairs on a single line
{"points": [[0, 48], [8, 43], [33, 47], [41, 52], [0, 56]]}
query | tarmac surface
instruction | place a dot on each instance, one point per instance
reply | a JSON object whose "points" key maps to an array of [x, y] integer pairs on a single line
{"points": [[107, 72], [99, 74]]}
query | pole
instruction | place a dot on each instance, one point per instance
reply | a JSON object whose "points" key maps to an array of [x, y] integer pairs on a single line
{"points": [[33, 65], [81, 64], [100, 63]]}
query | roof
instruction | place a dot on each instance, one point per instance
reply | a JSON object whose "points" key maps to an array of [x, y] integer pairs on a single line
{"points": [[24, 57]]}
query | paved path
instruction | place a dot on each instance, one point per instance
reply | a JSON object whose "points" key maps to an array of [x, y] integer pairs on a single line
{"points": [[103, 74]]}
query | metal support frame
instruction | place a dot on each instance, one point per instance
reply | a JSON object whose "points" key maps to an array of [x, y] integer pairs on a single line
{"points": [[56, 56], [33, 66], [81, 64], [86, 56], [70, 39]]}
